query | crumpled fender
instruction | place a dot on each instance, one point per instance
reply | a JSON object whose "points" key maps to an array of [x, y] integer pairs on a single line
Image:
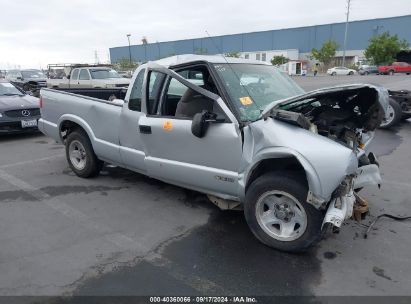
{"points": [[326, 163]]}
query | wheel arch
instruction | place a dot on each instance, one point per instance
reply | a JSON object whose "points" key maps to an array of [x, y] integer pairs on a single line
{"points": [[68, 123], [285, 161]]}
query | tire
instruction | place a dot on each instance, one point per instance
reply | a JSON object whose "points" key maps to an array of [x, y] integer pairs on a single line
{"points": [[393, 115], [333, 73], [351, 73], [288, 210], [80, 155], [391, 73]]}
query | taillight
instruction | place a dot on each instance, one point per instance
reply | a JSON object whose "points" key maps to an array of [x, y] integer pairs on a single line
{"points": [[41, 101]]}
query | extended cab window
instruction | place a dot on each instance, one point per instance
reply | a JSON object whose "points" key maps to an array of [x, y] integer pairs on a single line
{"points": [[134, 103], [74, 75], [155, 83], [84, 75]]}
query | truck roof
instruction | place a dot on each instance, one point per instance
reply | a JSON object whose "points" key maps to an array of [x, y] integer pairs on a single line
{"points": [[187, 58]]}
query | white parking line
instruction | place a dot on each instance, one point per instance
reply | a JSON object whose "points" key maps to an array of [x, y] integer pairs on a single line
{"points": [[27, 162]]}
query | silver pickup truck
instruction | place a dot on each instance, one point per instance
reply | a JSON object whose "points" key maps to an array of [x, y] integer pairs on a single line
{"points": [[240, 131]]}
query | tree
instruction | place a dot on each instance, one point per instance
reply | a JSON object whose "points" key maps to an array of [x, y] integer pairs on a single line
{"points": [[234, 54], [279, 60], [326, 53], [383, 48], [125, 64]]}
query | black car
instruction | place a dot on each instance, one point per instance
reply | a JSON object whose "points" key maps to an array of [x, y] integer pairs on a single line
{"points": [[19, 112], [29, 80], [366, 70]]}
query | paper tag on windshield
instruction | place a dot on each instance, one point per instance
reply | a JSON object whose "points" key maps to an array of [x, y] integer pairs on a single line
{"points": [[246, 101]]}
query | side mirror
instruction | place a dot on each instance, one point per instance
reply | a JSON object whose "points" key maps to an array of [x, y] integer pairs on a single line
{"points": [[201, 122]]}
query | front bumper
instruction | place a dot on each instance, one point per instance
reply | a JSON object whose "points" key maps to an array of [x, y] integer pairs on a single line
{"points": [[341, 206], [15, 126]]}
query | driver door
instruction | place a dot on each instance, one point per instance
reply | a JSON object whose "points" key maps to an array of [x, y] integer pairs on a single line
{"points": [[209, 164]]}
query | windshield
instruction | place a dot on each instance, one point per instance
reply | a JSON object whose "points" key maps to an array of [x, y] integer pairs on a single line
{"points": [[32, 74], [253, 87], [103, 74], [7, 89]]}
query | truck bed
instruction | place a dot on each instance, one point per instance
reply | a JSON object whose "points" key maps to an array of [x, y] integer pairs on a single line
{"points": [[99, 118], [104, 94]]}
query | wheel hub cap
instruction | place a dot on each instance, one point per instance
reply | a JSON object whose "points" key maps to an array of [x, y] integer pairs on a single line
{"points": [[77, 155], [283, 212], [281, 215]]}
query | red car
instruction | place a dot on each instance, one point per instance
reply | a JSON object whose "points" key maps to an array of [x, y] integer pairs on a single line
{"points": [[396, 67]]}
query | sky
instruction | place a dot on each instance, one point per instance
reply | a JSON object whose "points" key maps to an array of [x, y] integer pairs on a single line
{"points": [[36, 33]]}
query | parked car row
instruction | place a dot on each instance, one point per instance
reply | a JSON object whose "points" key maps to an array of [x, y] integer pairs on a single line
{"points": [[79, 76], [396, 67]]}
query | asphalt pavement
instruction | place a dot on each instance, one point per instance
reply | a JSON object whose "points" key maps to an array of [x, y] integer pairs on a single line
{"points": [[126, 234]]}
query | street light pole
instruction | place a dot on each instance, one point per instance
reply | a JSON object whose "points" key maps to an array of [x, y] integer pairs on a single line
{"points": [[346, 31], [129, 47]]}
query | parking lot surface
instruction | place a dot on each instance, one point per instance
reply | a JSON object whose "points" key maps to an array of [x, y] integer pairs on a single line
{"points": [[126, 234], [395, 82]]}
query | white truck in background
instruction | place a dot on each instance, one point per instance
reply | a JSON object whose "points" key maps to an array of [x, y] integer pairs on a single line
{"points": [[86, 77]]}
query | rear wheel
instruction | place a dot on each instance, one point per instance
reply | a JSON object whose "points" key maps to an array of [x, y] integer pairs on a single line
{"points": [[393, 114], [351, 73], [80, 155], [278, 214]]}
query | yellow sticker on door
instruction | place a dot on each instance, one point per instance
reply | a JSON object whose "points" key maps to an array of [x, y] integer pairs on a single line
{"points": [[168, 125], [246, 101]]}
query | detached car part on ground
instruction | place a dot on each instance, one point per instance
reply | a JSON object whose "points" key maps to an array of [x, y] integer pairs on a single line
{"points": [[19, 112], [238, 130], [399, 108]]}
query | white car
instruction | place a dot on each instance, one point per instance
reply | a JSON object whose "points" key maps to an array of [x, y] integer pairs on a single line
{"points": [[340, 71]]}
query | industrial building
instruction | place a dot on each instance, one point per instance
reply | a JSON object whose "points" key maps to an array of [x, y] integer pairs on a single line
{"points": [[294, 43]]}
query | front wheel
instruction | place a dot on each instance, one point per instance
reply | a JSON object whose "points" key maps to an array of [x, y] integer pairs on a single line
{"points": [[80, 155], [278, 214], [391, 73], [333, 73]]}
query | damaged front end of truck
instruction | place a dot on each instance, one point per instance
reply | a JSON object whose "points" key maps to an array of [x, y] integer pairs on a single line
{"points": [[328, 131]]}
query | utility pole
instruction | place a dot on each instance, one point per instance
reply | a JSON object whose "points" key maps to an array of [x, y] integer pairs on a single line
{"points": [[346, 31], [129, 48]]}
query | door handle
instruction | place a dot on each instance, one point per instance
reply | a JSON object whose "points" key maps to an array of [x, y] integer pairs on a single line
{"points": [[145, 129]]}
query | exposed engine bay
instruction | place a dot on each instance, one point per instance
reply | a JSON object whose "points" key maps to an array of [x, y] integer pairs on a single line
{"points": [[346, 116]]}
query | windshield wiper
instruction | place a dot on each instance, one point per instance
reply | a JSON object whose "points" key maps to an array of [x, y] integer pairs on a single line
{"points": [[12, 94]]}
